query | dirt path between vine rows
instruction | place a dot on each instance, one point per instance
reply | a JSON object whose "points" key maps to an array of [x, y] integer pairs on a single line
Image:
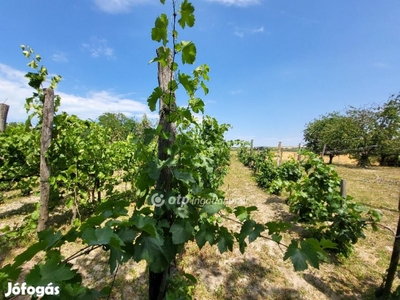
{"points": [[13, 212], [260, 273]]}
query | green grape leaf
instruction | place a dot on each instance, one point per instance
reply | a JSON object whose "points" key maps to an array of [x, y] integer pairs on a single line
{"points": [[250, 229], [188, 52], [241, 213], [153, 99], [197, 105], [205, 88], [146, 224], [205, 234], [49, 237], [182, 231], [100, 236], [184, 176], [187, 14], [224, 240], [52, 271], [163, 260], [160, 29], [300, 256], [277, 227], [327, 244], [147, 248], [213, 208], [29, 253], [187, 83]]}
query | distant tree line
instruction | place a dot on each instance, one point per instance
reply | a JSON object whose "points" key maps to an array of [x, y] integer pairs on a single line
{"points": [[120, 126], [364, 133]]}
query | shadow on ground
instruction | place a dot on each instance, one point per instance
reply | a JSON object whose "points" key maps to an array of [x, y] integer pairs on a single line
{"points": [[248, 281], [338, 288], [241, 278], [277, 206], [131, 280], [24, 209]]}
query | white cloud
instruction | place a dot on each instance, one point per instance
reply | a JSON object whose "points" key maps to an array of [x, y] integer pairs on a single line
{"points": [[14, 87], [380, 65], [118, 6], [299, 17], [236, 2], [235, 92], [8, 73], [98, 47], [97, 102], [59, 57], [241, 32]]}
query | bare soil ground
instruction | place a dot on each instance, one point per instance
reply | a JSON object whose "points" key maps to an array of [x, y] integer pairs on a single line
{"points": [[260, 273]]}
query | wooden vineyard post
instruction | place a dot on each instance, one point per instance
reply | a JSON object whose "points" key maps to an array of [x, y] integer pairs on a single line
{"points": [[158, 281], [279, 159], [298, 153], [343, 192], [393, 261], [251, 147], [3, 116], [48, 115]]}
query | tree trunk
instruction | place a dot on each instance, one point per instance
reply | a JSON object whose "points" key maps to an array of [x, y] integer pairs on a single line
{"points": [[97, 184], [363, 162], [382, 160], [3, 116], [48, 115], [331, 156], [158, 281]]}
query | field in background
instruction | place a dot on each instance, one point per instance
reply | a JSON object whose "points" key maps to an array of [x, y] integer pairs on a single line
{"points": [[288, 152], [337, 160]]}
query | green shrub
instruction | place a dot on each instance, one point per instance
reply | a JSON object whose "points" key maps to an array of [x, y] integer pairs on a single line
{"points": [[316, 200]]}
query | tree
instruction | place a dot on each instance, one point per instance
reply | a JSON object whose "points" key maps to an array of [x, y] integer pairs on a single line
{"points": [[388, 131], [119, 125], [141, 127], [331, 131], [363, 127]]}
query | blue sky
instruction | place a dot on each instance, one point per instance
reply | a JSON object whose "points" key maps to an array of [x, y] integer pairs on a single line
{"points": [[275, 65]]}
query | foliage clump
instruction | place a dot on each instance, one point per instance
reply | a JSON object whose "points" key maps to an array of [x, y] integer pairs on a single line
{"points": [[314, 196], [365, 133], [317, 201], [267, 173]]}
